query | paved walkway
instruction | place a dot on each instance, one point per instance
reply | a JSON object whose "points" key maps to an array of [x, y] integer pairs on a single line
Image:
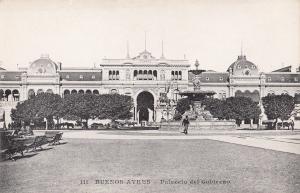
{"points": [[283, 142]]}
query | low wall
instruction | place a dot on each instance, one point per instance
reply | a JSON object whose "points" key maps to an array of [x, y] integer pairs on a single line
{"points": [[198, 125]]}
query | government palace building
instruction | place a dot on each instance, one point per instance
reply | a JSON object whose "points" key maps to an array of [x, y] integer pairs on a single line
{"points": [[146, 79]]}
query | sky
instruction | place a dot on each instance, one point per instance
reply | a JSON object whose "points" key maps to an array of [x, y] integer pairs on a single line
{"points": [[81, 33]]}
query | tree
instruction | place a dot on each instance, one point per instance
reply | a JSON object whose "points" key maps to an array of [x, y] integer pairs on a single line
{"points": [[43, 106], [24, 111], [216, 107], [241, 108], [183, 105], [82, 106], [115, 106], [278, 107]]}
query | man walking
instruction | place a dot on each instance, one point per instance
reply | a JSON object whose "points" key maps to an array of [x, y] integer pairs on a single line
{"points": [[185, 123]]}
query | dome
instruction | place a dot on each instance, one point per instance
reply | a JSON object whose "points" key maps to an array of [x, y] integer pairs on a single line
{"points": [[43, 65], [243, 67]]}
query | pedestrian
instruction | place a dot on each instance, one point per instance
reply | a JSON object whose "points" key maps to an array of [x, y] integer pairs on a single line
{"points": [[292, 124], [185, 123]]}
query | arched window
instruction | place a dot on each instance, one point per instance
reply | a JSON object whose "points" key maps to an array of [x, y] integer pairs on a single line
{"points": [[145, 75], [49, 91], [135, 73], [95, 92], [88, 92], [113, 75], [16, 95], [155, 74], [110, 75], [150, 76], [31, 93], [140, 75], [172, 75], [39, 91], [81, 91], [74, 91], [117, 75], [179, 75], [66, 92], [176, 75]]}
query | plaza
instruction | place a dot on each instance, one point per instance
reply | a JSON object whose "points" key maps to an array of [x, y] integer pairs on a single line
{"points": [[157, 161]]}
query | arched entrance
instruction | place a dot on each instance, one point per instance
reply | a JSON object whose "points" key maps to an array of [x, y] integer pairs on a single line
{"points": [[145, 106]]}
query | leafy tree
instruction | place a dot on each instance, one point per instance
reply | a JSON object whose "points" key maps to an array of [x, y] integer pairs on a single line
{"points": [[183, 105], [82, 106], [278, 106], [44, 105], [115, 106], [241, 108], [216, 107], [24, 111]]}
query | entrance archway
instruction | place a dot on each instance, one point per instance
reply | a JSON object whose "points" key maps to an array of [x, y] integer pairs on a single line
{"points": [[145, 106], [143, 114]]}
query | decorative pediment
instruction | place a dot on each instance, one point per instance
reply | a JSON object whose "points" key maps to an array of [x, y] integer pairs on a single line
{"points": [[145, 55]]}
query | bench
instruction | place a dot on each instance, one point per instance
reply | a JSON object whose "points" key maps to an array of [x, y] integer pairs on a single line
{"points": [[53, 137], [37, 142], [15, 145]]}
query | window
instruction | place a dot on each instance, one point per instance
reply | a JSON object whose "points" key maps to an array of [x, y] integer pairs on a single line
{"points": [[114, 75], [238, 66], [67, 76], [221, 79], [282, 79], [2, 76], [253, 67], [93, 77], [296, 79], [176, 75], [207, 78], [81, 76], [269, 79], [17, 76]]}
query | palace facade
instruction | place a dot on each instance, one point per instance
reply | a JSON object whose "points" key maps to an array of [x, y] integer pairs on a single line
{"points": [[146, 79]]}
